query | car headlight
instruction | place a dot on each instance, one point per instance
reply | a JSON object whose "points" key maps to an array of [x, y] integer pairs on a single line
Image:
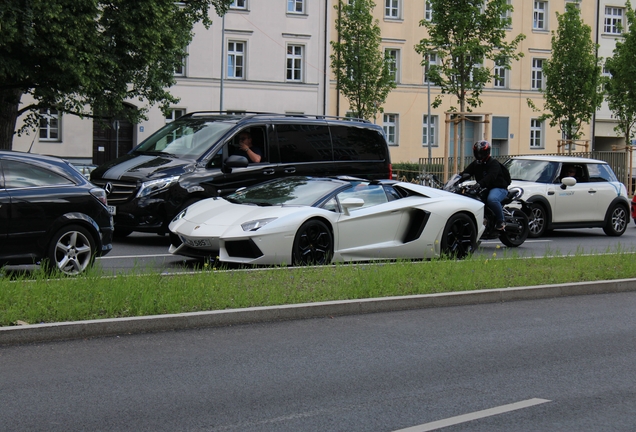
{"points": [[181, 215], [156, 186], [256, 224]]}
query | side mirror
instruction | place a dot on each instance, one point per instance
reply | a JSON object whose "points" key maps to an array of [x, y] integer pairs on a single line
{"points": [[351, 203], [567, 181], [234, 161]]}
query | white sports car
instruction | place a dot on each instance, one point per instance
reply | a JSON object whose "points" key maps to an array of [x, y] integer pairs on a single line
{"points": [[309, 220]]}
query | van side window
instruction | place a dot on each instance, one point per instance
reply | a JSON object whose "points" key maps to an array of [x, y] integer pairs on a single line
{"points": [[355, 143], [304, 143]]}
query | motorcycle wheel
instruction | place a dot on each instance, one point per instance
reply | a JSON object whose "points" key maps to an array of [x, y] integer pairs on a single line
{"points": [[515, 239]]}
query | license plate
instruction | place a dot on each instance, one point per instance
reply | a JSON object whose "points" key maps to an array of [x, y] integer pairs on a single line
{"points": [[197, 243], [112, 210]]}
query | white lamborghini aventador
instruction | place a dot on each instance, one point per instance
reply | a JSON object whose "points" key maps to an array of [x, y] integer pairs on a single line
{"points": [[309, 220]]}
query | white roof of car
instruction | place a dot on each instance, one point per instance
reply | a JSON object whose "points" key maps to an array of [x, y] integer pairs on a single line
{"points": [[561, 159]]}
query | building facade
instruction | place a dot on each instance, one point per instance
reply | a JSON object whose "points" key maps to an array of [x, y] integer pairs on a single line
{"points": [[273, 56], [262, 56]]}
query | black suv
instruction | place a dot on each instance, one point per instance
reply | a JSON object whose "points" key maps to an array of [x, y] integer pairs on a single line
{"points": [[198, 156]]}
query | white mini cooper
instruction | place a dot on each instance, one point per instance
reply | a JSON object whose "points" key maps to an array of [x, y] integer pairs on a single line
{"points": [[570, 192]]}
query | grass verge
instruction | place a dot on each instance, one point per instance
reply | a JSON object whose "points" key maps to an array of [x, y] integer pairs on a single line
{"points": [[37, 299]]}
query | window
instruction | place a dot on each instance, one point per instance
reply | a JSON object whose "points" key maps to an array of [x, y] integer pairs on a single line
{"points": [[536, 134], [392, 8], [429, 131], [539, 15], [613, 20], [180, 70], [500, 73], [432, 61], [238, 4], [507, 16], [19, 175], [537, 74], [390, 125], [393, 57], [174, 114], [49, 125], [294, 63], [235, 59], [428, 11], [296, 6]]}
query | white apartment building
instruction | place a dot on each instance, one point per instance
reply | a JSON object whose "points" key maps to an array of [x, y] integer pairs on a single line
{"points": [[262, 56]]}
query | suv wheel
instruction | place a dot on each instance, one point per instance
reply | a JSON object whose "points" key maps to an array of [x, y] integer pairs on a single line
{"points": [[71, 251], [617, 221], [537, 222]]}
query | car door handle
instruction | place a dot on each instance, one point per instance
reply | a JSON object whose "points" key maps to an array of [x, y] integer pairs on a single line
{"points": [[268, 171], [592, 191], [290, 170], [550, 192]]}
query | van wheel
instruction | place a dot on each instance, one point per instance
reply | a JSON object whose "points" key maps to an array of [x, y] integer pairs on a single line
{"points": [[313, 244]]}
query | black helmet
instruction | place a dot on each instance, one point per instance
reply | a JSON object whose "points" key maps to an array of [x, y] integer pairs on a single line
{"points": [[481, 150]]}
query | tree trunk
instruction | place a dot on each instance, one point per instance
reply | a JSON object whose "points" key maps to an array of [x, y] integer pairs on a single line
{"points": [[9, 102]]}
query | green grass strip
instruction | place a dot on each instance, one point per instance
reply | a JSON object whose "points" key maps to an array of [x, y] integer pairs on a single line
{"points": [[37, 299]]}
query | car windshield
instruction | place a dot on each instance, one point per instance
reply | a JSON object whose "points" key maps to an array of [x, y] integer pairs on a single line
{"points": [[187, 137], [290, 190], [532, 170]]}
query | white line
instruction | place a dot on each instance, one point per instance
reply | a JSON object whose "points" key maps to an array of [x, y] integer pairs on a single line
{"points": [[474, 416]]}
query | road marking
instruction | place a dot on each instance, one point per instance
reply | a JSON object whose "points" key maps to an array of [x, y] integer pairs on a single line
{"points": [[474, 416]]}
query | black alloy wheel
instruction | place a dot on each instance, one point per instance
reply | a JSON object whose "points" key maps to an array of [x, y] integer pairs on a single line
{"points": [[459, 238], [313, 244]]}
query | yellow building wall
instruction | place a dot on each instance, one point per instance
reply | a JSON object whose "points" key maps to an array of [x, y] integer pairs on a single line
{"points": [[410, 99]]}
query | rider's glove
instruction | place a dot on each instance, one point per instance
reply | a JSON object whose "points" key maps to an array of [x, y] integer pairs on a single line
{"points": [[474, 188]]}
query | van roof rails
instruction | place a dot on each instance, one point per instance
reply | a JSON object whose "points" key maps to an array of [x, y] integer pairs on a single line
{"points": [[256, 114]]}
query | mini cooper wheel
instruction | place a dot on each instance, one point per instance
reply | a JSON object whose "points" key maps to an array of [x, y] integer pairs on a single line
{"points": [[617, 221], [538, 220], [459, 238], [313, 244], [71, 251]]}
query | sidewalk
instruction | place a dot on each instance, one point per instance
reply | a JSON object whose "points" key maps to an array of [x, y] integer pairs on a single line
{"points": [[146, 324]]}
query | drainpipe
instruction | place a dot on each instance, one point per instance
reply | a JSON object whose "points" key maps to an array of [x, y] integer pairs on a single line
{"points": [[326, 77], [597, 17], [222, 61]]}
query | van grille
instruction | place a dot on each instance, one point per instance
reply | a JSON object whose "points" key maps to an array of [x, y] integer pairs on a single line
{"points": [[121, 191]]}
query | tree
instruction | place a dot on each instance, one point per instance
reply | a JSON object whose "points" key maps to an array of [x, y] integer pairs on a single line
{"points": [[572, 92], [363, 72], [86, 57], [463, 34], [620, 88]]}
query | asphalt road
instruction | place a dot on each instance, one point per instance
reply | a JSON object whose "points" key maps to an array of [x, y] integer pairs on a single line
{"points": [[150, 251], [563, 364]]}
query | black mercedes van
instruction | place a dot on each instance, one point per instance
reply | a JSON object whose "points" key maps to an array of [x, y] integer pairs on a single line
{"points": [[197, 156]]}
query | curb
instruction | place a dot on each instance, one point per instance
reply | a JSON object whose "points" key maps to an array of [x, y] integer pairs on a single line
{"points": [[31, 333]]}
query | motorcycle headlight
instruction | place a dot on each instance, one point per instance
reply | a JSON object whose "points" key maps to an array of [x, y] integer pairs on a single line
{"points": [[155, 186], [256, 224]]}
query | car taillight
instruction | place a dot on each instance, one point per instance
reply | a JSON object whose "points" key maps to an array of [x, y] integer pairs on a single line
{"points": [[390, 172], [100, 194]]}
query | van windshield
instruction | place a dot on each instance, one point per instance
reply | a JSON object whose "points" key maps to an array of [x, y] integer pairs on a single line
{"points": [[188, 138]]}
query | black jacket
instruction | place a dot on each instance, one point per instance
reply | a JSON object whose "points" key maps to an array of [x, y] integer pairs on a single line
{"points": [[488, 174]]}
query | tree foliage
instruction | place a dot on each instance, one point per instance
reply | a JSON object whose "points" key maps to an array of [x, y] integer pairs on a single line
{"points": [[463, 34], [572, 92], [620, 88], [86, 57], [362, 71]]}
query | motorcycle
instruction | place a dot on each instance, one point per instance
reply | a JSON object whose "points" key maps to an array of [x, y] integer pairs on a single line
{"points": [[516, 211]]}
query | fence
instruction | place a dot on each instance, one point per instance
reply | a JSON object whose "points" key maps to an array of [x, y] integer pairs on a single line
{"points": [[432, 173]]}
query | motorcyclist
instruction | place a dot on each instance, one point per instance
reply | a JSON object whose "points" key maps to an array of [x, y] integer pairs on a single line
{"points": [[489, 174]]}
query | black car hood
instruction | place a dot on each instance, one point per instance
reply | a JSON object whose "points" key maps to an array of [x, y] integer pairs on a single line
{"points": [[132, 167]]}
